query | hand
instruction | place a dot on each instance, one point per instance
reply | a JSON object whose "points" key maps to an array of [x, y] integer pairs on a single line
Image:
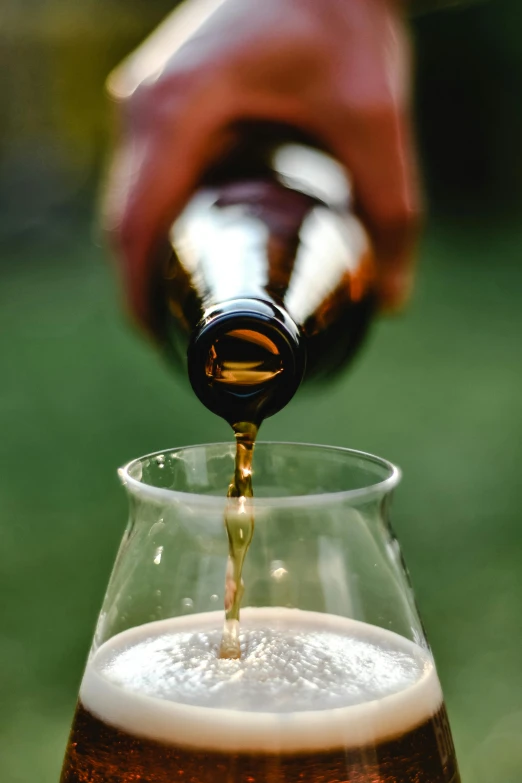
{"points": [[337, 69]]}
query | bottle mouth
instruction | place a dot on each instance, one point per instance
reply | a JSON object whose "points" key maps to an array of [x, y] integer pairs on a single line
{"points": [[246, 360], [243, 357]]}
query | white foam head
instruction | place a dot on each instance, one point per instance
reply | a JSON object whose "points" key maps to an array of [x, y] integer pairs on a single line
{"points": [[306, 681]]}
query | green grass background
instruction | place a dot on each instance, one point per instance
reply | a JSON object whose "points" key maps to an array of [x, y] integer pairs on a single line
{"points": [[438, 391]]}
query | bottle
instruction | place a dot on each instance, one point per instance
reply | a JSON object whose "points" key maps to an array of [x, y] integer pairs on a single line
{"points": [[270, 277]]}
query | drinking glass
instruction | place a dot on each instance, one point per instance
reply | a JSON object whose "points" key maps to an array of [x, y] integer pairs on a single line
{"points": [[336, 682]]}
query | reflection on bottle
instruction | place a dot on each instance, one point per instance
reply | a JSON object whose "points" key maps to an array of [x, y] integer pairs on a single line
{"points": [[270, 278]]}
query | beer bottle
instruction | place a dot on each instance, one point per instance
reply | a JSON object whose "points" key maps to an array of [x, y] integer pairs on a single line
{"points": [[270, 277]]}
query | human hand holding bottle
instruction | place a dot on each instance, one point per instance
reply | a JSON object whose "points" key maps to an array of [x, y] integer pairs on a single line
{"points": [[336, 69]]}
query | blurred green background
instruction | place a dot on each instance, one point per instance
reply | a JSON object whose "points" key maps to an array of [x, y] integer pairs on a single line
{"points": [[437, 391]]}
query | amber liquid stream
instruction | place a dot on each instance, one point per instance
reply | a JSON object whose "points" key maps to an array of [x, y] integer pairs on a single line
{"points": [[246, 362]]}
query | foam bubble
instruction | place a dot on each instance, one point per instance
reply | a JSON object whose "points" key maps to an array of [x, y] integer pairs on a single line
{"points": [[305, 681]]}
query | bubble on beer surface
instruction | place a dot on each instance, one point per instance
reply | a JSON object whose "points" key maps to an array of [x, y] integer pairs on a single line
{"points": [[303, 677], [280, 670]]}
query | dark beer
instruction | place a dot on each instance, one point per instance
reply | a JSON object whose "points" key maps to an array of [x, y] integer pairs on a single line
{"points": [[314, 699]]}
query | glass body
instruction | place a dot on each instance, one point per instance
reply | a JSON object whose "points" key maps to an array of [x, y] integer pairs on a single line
{"points": [[336, 681]]}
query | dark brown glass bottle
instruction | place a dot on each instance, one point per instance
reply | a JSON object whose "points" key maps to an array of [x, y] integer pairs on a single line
{"points": [[270, 279]]}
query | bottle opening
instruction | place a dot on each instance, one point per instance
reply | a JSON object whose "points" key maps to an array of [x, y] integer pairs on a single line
{"points": [[246, 361], [243, 357]]}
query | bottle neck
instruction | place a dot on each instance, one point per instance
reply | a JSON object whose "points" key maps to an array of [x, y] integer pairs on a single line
{"points": [[246, 359]]}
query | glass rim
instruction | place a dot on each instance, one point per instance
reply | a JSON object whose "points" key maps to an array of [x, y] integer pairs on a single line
{"points": [[379, 488]]}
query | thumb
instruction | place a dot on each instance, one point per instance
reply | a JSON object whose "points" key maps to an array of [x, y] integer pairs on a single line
{"points": [[156, 168]]}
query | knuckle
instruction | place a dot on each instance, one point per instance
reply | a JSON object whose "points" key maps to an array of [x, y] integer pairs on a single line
{"points": [[141, 106], [399, 219], [126, 232], [158, 102], [127, 247]]}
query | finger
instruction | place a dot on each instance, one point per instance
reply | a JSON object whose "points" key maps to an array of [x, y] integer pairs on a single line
{"points": [[152, 56], [155, 171], [377, 150]]}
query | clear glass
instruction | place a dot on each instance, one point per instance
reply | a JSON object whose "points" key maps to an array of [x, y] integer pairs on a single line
{"points": [[351, 695]]}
